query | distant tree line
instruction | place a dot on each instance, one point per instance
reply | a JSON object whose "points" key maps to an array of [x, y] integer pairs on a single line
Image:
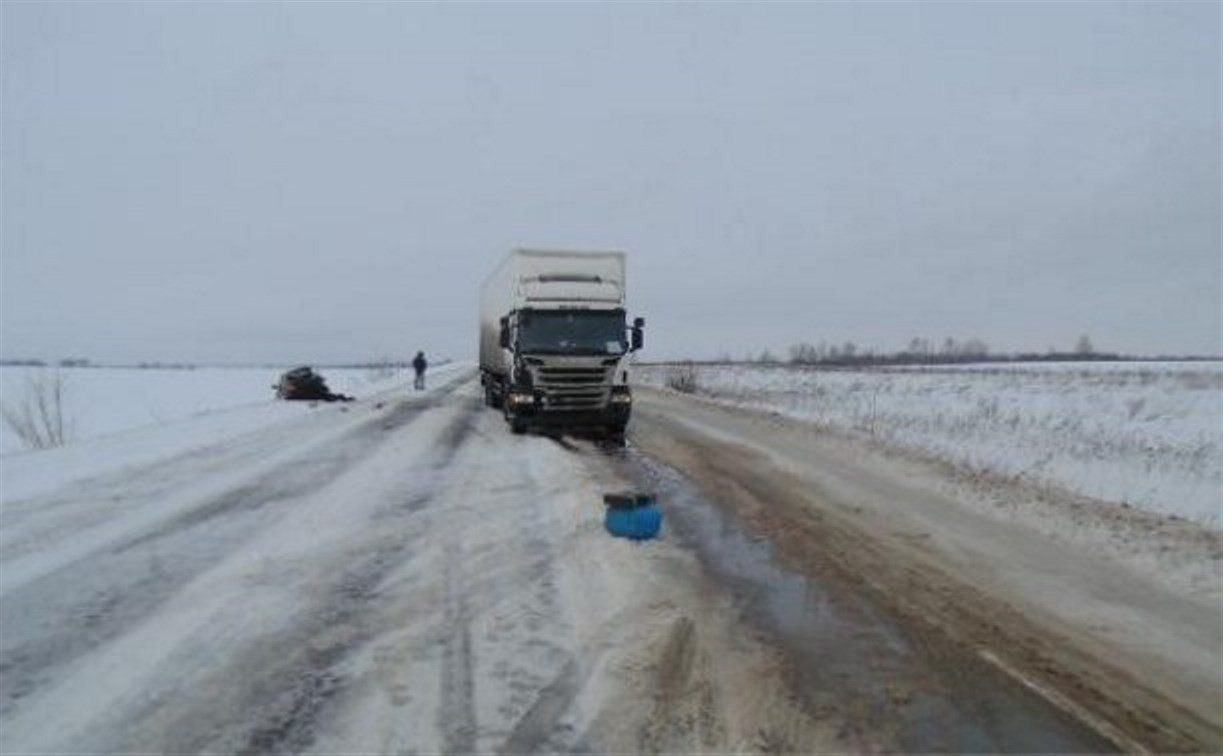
{"points": [[67, 362], [925, 351], [920, 351], [166, 366], [23, 363]]}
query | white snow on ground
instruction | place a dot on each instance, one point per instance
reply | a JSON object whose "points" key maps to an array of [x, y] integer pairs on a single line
{"points": [[99, 401], [127, 417], [400, 573], [1103, 366], [385, 576], [1148, 435]]}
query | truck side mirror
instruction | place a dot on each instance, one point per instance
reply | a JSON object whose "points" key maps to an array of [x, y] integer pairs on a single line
{"points": [[504, 336], [638, 337]]}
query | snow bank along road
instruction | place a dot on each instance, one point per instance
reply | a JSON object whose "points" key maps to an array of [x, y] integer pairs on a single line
{"points": [[404, 574]]}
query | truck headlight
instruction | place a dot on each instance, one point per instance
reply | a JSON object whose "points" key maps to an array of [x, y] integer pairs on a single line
{"points": [[517, 398], [621, 397]]}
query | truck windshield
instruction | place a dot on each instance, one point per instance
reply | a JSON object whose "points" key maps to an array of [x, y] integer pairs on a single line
{"points": [[572, 332]]}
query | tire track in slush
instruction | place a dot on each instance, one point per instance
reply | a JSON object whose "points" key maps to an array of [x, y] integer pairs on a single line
{"points": [[273, 693], [548, 671], [97, 599], [457, 710], [345, 622], [535, 729], [523, 558]]}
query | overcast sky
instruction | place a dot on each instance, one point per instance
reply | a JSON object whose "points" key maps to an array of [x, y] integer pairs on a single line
{"points": [[294, 182]]}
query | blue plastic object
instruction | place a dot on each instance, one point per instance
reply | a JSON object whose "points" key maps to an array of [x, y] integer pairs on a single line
{"points": [[634, 517]]}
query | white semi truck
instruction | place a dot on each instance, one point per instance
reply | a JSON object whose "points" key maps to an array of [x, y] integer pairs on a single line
{"points": [[554, 342]]}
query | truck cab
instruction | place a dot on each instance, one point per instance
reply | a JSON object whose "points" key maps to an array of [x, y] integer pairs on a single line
{"points": [[565, 344]]}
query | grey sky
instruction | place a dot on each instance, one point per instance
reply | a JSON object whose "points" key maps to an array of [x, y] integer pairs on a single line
{"points": [[318, 181]]}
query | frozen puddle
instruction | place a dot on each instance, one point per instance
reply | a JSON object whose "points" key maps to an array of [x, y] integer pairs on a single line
{"points": [[849, 664]]}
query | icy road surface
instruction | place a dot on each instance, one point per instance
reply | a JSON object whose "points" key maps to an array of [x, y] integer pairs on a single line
{"points": [[390, 575], [403, 574]]}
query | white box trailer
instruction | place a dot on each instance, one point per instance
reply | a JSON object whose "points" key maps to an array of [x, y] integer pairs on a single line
{"points": [[554, 343]]}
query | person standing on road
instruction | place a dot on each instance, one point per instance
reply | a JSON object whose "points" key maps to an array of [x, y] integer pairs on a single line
{"points": [[419, 363]]}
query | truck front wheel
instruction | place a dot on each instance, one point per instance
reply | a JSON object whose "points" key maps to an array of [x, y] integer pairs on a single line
{"points": [[615, 435]]}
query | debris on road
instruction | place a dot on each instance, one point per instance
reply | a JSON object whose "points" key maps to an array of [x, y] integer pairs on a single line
{"points": [[633, 516], [303, 384]]}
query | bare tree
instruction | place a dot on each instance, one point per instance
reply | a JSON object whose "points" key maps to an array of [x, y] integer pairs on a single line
{"points": [[682, 378], [804, 354], [1084, 345], [38, 417], [974, 348]]}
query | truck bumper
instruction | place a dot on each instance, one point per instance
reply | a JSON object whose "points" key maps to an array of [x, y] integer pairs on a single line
{"points": [[611, 416]]}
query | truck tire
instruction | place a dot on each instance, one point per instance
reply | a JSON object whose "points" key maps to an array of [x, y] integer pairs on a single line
{"points": [[518, 427], [615, 436], [492, 396]]}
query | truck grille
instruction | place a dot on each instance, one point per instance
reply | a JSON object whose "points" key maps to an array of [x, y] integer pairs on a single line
{"points": [[573, 387]]}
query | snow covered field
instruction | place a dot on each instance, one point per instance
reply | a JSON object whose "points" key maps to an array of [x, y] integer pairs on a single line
{"points": [[101, 401], [1146, 434], [127, 417]]}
